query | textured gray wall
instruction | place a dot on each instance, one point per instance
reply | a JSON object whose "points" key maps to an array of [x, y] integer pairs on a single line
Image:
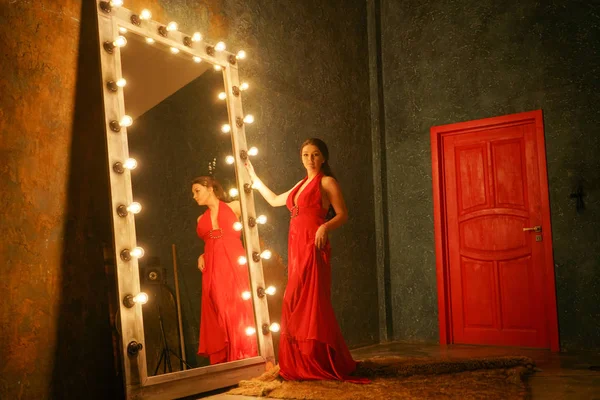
{"points": [[447, 62]]}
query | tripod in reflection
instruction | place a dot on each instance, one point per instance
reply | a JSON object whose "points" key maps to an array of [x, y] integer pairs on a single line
{"points": [[165, 354]]}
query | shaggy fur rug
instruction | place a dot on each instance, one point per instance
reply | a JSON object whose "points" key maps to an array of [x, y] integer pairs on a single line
{"points": [[407, 378]]}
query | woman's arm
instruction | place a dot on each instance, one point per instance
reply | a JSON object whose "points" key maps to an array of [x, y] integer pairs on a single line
{"points": [[275, 200], [334, 194]]}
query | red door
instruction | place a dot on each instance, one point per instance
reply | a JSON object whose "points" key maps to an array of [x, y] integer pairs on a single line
{"points": [[496, 250]]}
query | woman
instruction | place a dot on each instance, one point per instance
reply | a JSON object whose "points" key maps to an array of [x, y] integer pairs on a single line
{"points": [[311, 344], [224, 314]]}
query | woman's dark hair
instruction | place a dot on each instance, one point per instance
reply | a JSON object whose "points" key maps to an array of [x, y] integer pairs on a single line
{"points": [[326, 168], [210, 182]]}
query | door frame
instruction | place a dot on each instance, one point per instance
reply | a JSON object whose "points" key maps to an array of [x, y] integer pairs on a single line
{"points": [[440, 223]]}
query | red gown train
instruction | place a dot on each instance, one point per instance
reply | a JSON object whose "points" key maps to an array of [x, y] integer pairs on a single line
{"points": [[311, 344], [224, 314]]}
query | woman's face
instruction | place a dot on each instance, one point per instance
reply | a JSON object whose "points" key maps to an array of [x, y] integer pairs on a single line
{"points": [[312, 158], [201, 194]]}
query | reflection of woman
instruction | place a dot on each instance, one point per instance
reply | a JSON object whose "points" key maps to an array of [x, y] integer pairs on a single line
{"points": [[224, 314], [311, 344]]}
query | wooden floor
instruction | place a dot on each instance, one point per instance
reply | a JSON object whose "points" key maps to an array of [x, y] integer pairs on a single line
{"points": [[572, 375]]}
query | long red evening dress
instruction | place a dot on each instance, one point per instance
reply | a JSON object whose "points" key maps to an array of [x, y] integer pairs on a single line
{"points": [[311, 344], [224, 314]]}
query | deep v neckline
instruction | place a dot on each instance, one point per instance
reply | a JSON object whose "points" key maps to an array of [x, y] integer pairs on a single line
{"points": [[302, 190], [212, 228]]}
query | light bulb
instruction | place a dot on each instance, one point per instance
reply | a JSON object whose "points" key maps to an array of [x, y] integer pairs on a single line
{"points": [[120, 41], [226, 128], [237, 226], [270, 290], [252, 151], [242, 260], [261, 219], [244, 86], [134, 207], [121, 82], [116, 3], [250, 331], [220, 46], [172, 26], [274, 327], [222, 96], [196, 37], [218, 67], [145, 14], [122, 29], [246, 295], [249, 119], [140, 298], [126, 121], [197, 59], [241, 55], [229, 160], [266, 254], [130, 163], [174, 50], [149, 40], [137, 252], [256, 185], [233, 192]]}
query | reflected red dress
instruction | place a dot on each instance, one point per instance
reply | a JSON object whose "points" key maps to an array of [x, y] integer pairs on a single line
{"points": [[224, 314], [311, 344]]}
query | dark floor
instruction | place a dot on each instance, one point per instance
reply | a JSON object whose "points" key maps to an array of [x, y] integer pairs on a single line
{"points": [[572, 375]]}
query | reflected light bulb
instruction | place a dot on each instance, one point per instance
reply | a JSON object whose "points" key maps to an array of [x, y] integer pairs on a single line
{"points": [[134, 207], [121, 82], [256, 185], [222, 96], [145, 14], [220, 46], [241, 55], [237, 226], [250, 331], [197, 59], [249, 119], [140, 298], [233, 192], [120, 41], [122, 29], [252, 151], [218, 67], [274, 327], [126, 121], [116, 3], [172, 26], [196, 37], [137, 252], [149, 40], [266, 254], [242, 260], [174, 50], [246, 295], [229, 160], [130, 163], [261, 219], [244, 86], [270, 290], [226, 128]]}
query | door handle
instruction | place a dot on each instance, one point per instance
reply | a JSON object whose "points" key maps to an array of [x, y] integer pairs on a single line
{"points": [[536, 228]]}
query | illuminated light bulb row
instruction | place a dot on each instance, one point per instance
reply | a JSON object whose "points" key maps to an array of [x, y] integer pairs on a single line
{"points": [[271, 290], [261, 219], [274, 327], [226, 128], [266, 255]]}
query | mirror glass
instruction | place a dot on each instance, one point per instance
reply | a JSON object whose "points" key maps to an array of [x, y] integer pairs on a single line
{"points": [[192, 318]]}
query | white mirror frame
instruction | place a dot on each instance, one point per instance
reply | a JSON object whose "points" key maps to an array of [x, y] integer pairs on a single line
{"points": [[138, 385]]}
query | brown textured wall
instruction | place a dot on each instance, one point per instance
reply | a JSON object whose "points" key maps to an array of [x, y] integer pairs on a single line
{"points": [[309, 74]]}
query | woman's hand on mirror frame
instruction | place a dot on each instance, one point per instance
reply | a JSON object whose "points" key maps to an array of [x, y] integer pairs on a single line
{"points": [[201, 264]]}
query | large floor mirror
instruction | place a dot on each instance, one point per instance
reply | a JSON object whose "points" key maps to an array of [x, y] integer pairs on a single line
{"points": [[193, 311]]}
